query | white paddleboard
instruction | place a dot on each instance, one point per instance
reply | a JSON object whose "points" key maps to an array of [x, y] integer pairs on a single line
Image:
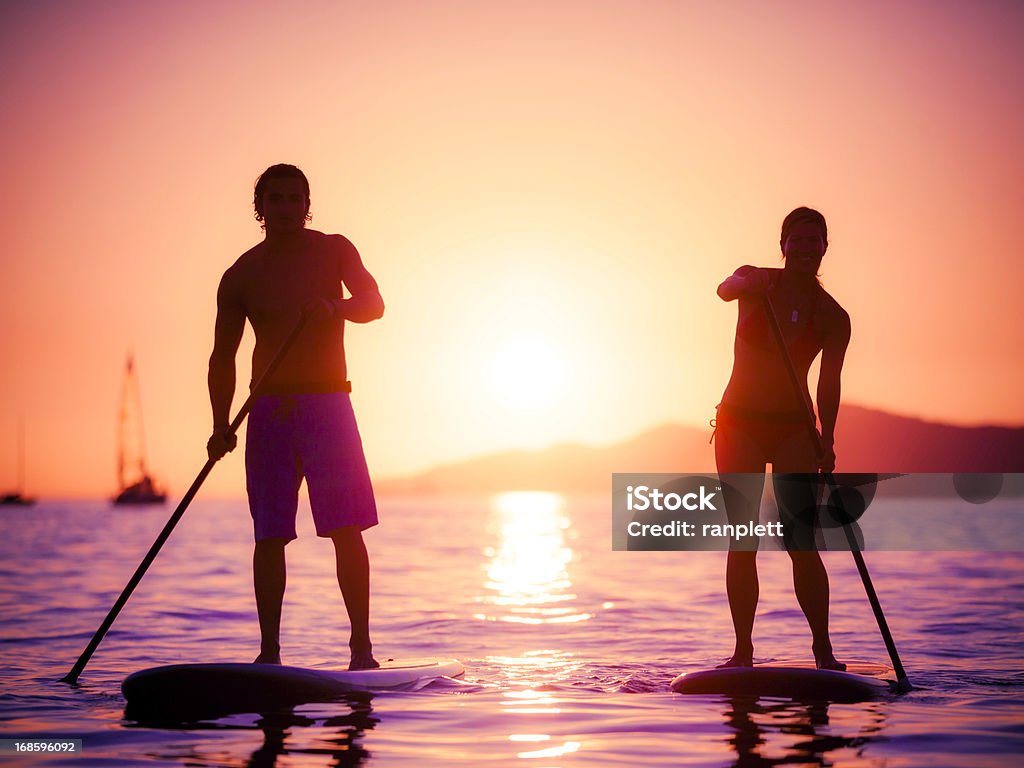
{"points": [[181, 690], [798, 680]]}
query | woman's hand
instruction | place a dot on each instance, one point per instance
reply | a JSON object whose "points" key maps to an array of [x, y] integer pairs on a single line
{"points": [[757, 282], [827, 459], [746, 281]]}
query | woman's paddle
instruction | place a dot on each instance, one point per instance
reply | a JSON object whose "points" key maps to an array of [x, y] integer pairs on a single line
{"points": [[72, 676], [902, 682]]}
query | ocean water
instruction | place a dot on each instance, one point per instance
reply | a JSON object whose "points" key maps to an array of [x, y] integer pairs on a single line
{"points": [[569, 647]]}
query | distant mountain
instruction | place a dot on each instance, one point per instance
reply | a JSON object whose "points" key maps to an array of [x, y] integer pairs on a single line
{"points": [[875, 441], [866, 440]]}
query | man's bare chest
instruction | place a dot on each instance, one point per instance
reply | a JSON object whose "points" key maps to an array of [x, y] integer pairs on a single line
{"points": [[283, 287]]}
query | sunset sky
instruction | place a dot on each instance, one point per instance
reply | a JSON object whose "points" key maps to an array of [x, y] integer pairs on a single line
{"points": [[548, 194]]}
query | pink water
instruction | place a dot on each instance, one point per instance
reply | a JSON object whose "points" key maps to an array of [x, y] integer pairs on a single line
{"points": [[569, 647]]}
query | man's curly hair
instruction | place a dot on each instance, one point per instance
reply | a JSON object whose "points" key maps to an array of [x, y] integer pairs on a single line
{"points": [[279, 171]]}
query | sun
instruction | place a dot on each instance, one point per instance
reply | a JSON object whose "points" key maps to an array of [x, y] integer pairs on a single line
{"points": [[526, 372]]}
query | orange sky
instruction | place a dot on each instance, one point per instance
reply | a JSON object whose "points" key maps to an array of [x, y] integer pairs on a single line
{"points": [[553, 186]]}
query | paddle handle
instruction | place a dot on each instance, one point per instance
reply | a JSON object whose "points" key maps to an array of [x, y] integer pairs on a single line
{"points": [[902, 681], [72, 676]]}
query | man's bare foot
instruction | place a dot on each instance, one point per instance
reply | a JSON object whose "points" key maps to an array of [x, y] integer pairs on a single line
{"points": [[363, 660], [738, 660]]}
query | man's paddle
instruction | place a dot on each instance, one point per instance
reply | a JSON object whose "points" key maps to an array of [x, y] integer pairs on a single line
{"points": [[72, 676], [902, 682]]}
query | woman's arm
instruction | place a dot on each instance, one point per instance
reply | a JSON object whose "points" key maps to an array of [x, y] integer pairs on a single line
{"points": [[833, 354], [746, 280]]}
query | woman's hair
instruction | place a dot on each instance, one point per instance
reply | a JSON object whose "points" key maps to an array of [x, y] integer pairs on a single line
{"points": [[800, 216], [279, 171]]}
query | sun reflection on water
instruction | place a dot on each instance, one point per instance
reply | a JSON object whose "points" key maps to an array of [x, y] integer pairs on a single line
{"points": [[528, 568], [528, 582], [531, 707], [564, 749]]}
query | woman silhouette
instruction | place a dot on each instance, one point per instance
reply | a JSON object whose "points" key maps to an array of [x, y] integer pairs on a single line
{"points": [[760, 421]]}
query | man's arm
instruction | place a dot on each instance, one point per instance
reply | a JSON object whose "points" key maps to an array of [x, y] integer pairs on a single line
{"points": [[365, 303], [829, 388], [221, 378]]}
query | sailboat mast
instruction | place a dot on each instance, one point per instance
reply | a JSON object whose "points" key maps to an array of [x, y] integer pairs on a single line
{"points": [[21, 454], [141, 431], [123, 422], [137, 487]]}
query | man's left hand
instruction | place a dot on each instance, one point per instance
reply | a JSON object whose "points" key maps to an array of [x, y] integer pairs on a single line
{"points": [[319, 310]]}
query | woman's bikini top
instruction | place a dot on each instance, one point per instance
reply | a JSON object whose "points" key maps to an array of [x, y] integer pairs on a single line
{"points": [[753, 328]]}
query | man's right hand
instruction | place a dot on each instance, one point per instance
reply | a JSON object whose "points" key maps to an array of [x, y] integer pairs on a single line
{"points": [[220, 443]]}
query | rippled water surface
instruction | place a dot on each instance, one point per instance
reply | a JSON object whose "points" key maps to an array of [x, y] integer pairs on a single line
{"points": [[569, 647]]}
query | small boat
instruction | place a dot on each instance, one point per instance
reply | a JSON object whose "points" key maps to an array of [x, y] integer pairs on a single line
{"points": [[145, 491], [16, 497], [131, 455]]}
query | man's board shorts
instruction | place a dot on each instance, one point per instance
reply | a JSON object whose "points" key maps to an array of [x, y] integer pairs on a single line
{"points": [[311, 436]]}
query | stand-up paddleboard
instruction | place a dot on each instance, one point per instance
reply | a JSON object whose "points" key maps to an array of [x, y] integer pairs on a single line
{"points": [[791, 680], [184, 689]]}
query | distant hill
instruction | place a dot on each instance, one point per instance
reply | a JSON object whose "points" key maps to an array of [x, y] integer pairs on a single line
{"points": [[867, 441]]}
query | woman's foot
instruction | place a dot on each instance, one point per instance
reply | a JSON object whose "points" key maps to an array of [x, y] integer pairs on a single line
{"points": [[739, 659], [829, 662], [269, 655], [824, 658]]}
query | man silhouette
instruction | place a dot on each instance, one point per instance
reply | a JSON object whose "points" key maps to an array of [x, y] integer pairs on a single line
{"points": [[301, 424]]}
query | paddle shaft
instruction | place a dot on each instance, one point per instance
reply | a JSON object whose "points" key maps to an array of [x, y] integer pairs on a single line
{"points": [[903, 683], [97, 638]]}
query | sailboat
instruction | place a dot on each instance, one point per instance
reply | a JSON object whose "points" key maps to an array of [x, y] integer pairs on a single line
{"points": [[137, 486], [16, 497]]}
